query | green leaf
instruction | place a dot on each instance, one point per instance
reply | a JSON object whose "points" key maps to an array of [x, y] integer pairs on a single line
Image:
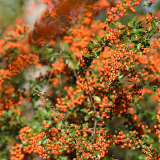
{"points": [[47, 104], [142, 157], [141, 53], [22, 90], [145, 4], [76, 68], [84, 125], [147, 44], [99, 117], [141, 30], [137, 34], [138, 23], [14, 95], [47, 95], [119, 84], [98, 156], [45, 142], [122, 31], [49, 50], [120, 77], [131, 24], [135, 51], [59, 124], [87, 117], [116, 24], [10, 112], [152, 32], [91, 112], [65, 46], [150, 140], [99, 50], [87, 55], [139, 46], [84, 110], [43, 111], [153, 24], [99, 38], [149, 4], [150, 28], [88, 47], [132, 31], [88, 100], [25, 143], [96, 44], [4, 128], [133, 20], [63, 158], [96, 98]]}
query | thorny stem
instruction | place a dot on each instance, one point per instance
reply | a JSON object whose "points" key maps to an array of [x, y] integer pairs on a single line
{"points": [[90, 96], [50, 76], [95, 112]]}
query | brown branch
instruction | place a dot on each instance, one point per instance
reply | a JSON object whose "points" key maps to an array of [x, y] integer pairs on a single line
{"points": [[95, 112]]}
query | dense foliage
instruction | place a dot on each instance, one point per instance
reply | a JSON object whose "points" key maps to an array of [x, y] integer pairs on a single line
{"points": [[103, 84]]}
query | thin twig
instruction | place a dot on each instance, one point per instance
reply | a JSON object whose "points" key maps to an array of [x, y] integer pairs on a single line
{"points": [[95, 112], [50, 76]]}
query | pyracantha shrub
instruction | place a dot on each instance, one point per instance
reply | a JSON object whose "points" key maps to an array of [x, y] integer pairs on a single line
{"points": [[103, 84]]}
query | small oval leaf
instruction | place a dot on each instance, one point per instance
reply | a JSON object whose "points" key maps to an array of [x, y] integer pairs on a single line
{"points": [[97, 99]]}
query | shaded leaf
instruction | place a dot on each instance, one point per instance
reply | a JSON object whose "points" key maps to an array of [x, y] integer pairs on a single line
{"points": [[84, 110], [65, 46], [87, 117], [96, 98]]}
